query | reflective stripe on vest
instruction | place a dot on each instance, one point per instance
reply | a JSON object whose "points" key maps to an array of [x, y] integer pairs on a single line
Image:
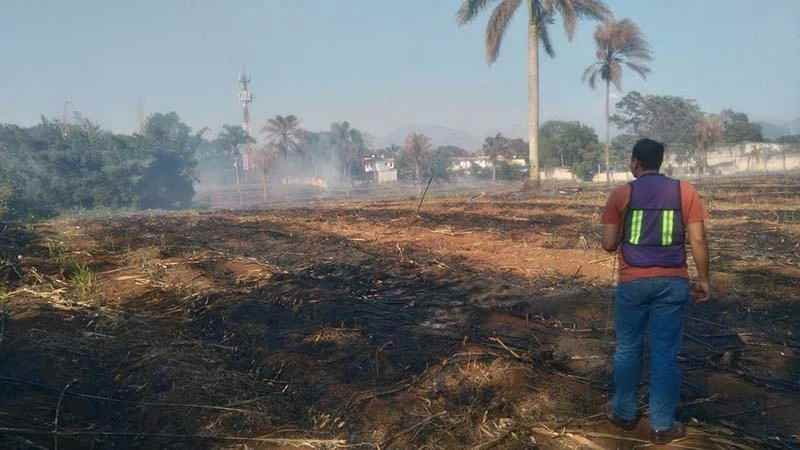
{"points": [[667, 226], [636, 226]]}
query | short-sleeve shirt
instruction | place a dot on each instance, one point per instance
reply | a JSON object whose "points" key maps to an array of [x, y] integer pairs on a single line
{"points": [[614, 214]]}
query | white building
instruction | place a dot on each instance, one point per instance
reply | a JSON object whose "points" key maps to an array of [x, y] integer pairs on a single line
{"points": [[465, 163], [380, 169]]}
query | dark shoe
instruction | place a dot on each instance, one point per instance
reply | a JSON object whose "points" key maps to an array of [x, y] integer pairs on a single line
{"points": [[627, 425], [677, 431]]}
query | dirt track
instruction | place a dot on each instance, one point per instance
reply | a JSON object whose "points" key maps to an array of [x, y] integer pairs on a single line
{"points": [[483, 322]]}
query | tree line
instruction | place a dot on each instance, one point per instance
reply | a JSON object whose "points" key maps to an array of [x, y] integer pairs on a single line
{"points": [[55, 166]]}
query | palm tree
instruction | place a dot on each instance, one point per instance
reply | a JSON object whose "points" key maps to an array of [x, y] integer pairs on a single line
{"points": [[284, 133], [417, 148], [619, 43], [541, 13], [708, 131]]}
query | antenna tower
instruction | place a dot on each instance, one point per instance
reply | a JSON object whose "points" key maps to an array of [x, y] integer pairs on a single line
{"points": [[245, 98]]}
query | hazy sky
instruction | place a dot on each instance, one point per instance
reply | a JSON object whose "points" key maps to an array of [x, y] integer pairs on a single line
{"points": [[381, 64]]}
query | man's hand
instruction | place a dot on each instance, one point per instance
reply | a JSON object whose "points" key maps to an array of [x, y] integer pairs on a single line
{"points": [[701, 291]]}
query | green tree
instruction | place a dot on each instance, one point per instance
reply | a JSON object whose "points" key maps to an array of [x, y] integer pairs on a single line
{"points": [[621, 149], [738, 128], [167, 181], [667, 119], [708, 131], [497, 147], [284, 133], [572, 145], [541, 13], [442, 159], [619, 43]]}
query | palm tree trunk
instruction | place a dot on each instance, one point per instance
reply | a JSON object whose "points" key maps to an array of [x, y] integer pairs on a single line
{"points": [[608, 134], [494, 172], [533, 101]]}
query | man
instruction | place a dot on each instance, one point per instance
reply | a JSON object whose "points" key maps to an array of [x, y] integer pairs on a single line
{"points": [[648, 221]]}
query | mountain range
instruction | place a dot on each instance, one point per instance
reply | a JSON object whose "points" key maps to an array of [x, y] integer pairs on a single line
{"points": [[438, 134]]}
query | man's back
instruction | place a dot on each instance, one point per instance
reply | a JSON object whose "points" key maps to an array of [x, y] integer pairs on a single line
{"points": [[692, 211]]}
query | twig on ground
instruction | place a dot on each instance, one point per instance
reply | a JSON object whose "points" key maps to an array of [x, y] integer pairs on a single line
{"points": [[58, 412], [505, 347]]}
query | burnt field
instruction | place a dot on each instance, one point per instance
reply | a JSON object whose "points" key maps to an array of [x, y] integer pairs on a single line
{"points": [[483, 322]]}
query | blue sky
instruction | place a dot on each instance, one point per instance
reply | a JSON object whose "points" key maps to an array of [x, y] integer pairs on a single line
{"points": [[381, 64]]}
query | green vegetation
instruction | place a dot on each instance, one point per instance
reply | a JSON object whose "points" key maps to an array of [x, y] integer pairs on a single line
{"points": [[572, 145], [53, 166], [84, 284]]}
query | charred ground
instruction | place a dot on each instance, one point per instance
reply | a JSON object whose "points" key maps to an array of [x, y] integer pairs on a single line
{"points": [[482, 322]]}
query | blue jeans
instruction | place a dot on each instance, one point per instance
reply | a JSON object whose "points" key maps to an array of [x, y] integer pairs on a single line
{"points": [[659, 303]]}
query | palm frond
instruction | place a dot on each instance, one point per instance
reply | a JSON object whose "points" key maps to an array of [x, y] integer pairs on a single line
{"points": [[497, 26], [547, 43], [621, 42], [639, 69], [592, 9], [569, 16], [573, 10], [590, 74], [470, 9]]}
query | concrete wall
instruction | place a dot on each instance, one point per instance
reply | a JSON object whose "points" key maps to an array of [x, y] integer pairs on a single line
{"points": [[386, 176], [616, 177], [750, 157], [557, 173]]}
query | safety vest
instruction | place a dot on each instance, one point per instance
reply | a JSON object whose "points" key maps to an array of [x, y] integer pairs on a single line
{"points": [[654, 234]]}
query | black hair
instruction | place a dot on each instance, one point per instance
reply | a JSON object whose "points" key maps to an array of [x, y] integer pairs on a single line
{"points": [[649, 153]]}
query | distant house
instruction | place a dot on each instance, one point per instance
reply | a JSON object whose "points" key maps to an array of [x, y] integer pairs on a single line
{"points": [[514, 161], [380, 170], [465, 163]]}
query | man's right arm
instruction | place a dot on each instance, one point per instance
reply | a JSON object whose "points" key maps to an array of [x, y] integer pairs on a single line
{"points": [[697, 238]]}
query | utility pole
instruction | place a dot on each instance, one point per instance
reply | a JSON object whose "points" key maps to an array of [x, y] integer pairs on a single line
{"points": [[246, 98]]}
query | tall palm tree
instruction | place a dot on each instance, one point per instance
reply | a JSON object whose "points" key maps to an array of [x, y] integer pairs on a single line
{"points": [[619, 43], [284, 133], [541, 13], [708, 131]]}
